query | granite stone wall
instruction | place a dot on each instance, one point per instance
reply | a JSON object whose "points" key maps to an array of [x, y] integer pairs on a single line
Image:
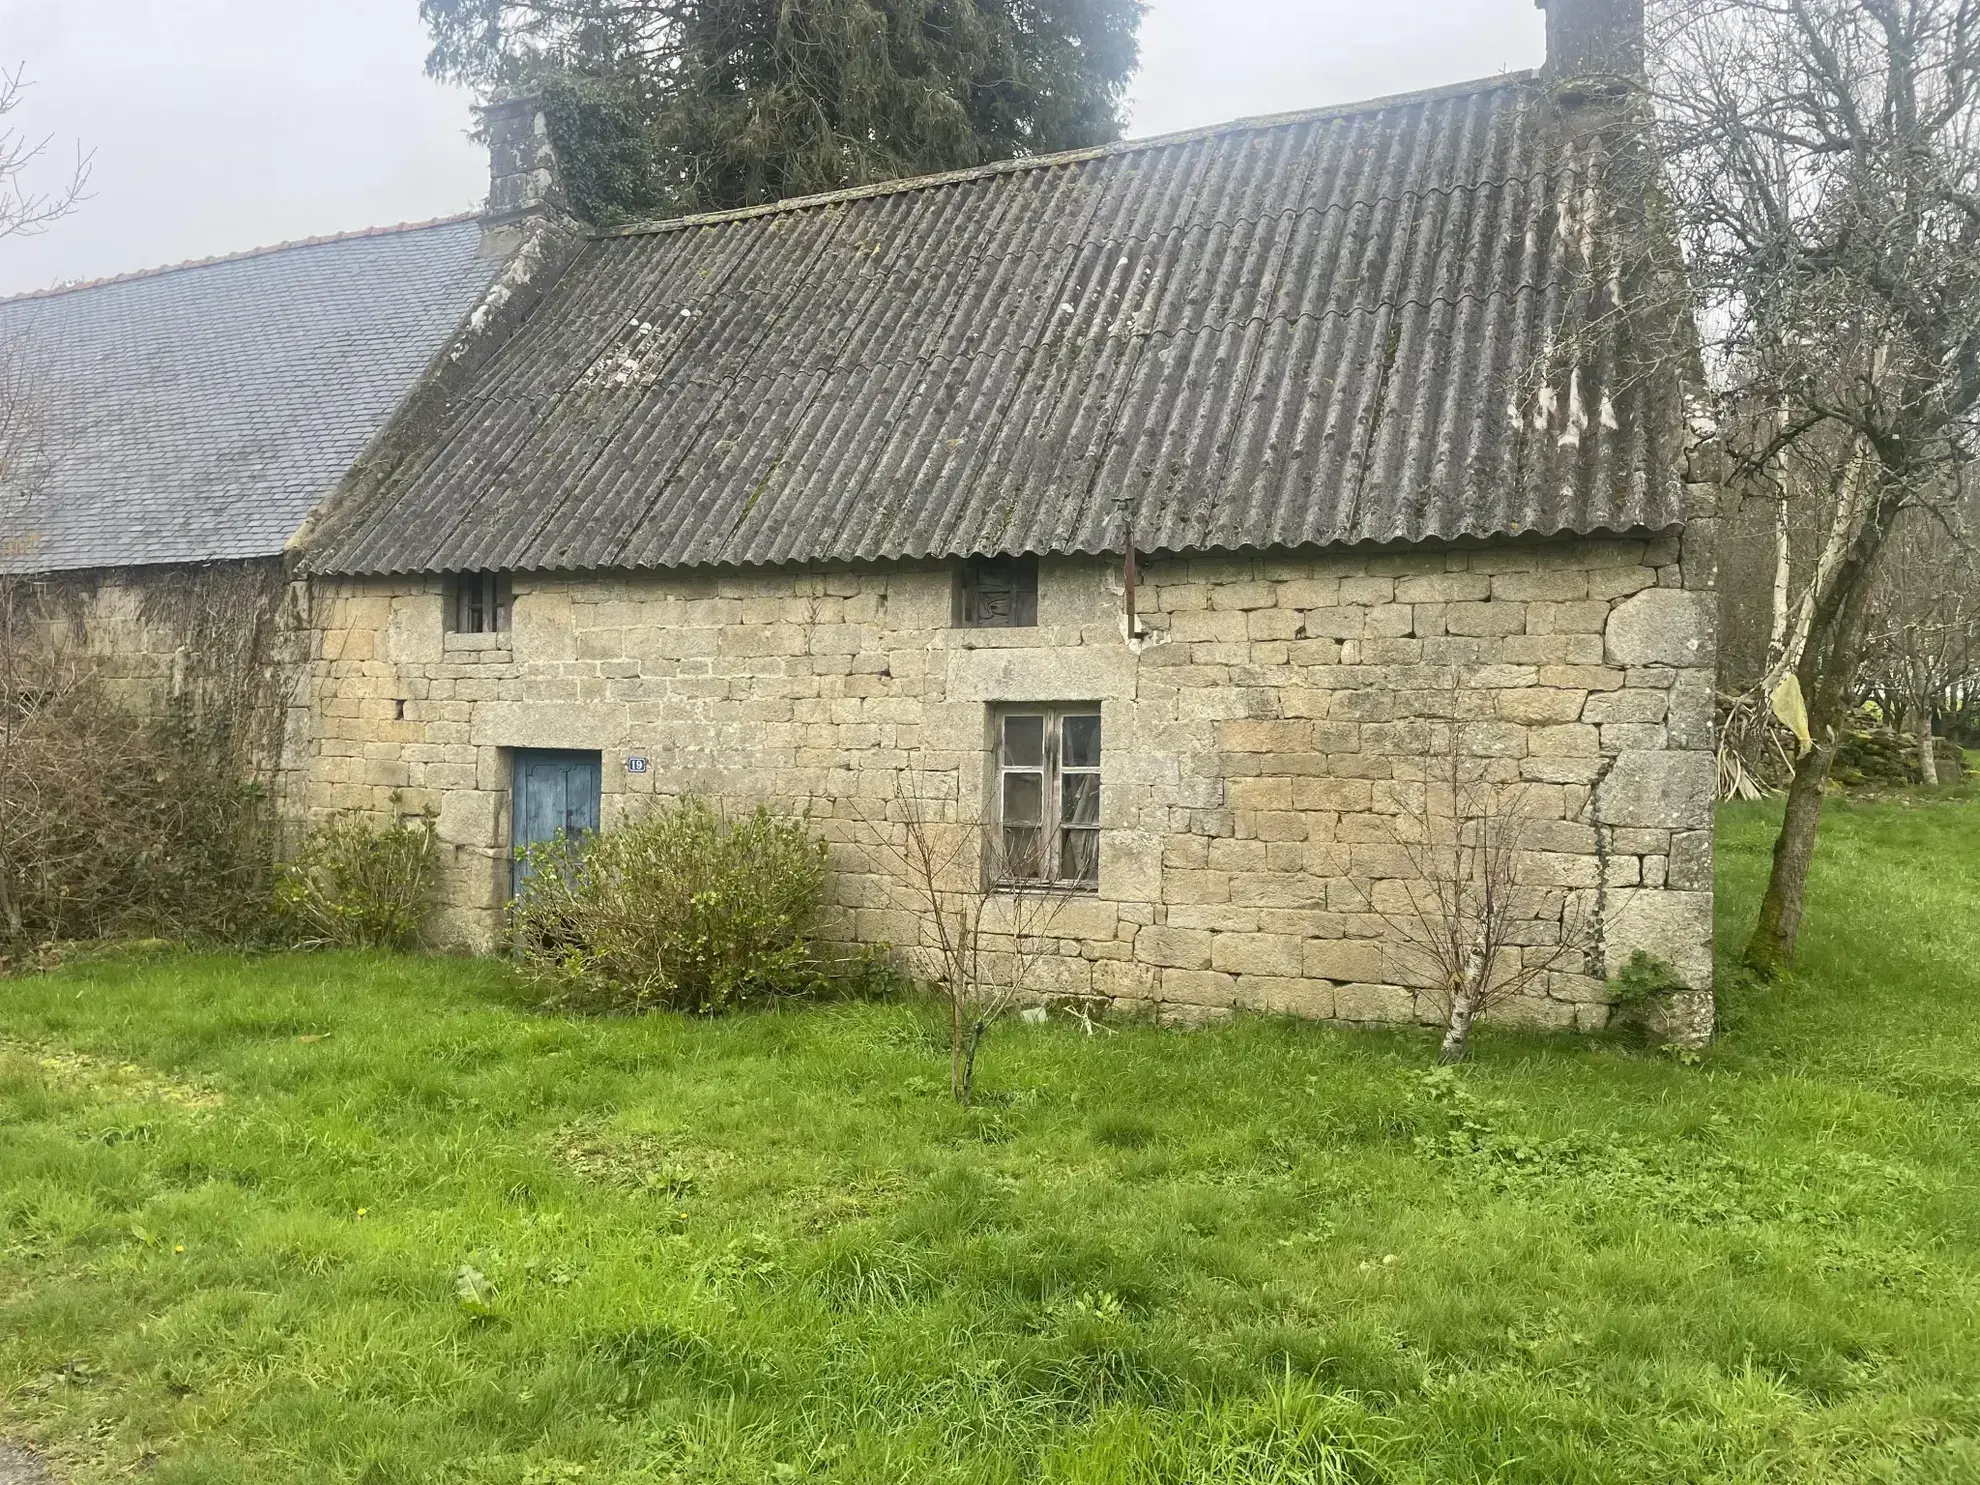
{"points": [[223, 642], [1266, 744]]}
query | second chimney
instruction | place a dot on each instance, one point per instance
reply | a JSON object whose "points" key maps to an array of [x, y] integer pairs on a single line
{"points": [[522, 163], [1594, 38]]}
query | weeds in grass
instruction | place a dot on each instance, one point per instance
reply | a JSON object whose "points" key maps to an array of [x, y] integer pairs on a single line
{"points": [[1289, 1437], [770, 1247], [633, 1160]]}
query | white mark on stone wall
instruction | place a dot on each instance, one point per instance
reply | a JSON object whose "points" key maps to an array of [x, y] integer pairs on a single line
{"points": [[1147, 639]]}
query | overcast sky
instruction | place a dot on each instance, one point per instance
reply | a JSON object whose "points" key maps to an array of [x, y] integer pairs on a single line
{"points": [[220, 125]]}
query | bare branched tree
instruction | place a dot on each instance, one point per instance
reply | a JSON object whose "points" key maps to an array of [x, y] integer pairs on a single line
{"points": [[1922, 651], [1824, 160], [984, 907], [1482, 934], [28, 206], [29, 668], [28, 642], [109, 822]]}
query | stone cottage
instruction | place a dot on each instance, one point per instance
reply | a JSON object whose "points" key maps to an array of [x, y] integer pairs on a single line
{"points": [[1154, 505]]}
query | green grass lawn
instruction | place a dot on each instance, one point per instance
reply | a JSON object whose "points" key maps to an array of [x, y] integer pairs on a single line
{"points": [[240, 1195]]}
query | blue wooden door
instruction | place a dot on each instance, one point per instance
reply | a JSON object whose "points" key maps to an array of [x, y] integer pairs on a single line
{"points": [[556, 794]]}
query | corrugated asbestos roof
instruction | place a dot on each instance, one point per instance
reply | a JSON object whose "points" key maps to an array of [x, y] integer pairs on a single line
{"points": [[202, 412], [1390, 322]]}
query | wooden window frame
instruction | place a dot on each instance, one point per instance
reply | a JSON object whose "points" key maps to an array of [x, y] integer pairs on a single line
{"points": [[479, 603], [983, 578], [1069, 781]]}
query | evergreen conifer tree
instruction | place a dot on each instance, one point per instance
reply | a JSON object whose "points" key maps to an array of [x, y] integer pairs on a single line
{"points": [[673, 106]]}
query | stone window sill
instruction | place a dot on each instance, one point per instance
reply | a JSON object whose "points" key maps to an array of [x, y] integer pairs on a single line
{"points": [[454, 643], [1030, 637]]}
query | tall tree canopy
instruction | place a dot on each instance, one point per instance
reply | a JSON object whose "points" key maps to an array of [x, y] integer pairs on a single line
{"points": [[1824, 160], [663, 106]]}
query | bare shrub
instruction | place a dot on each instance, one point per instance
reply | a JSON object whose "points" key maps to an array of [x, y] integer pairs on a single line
{"points": [[983, 939], [112, 824], [1481, 934], [353, 884], [686, 909]]}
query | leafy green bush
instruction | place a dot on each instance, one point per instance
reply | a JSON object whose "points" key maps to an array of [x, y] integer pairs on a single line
{"points": [[685, 909], [1639, 993], [355, 885], [1644, 983]]}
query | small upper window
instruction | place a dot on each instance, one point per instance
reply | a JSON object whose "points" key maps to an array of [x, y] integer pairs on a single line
{"points": [[999, 593], [478, 603], [1048, 796]]}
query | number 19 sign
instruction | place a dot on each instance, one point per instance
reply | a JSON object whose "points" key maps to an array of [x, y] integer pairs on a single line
{"points": [[637, 764]]}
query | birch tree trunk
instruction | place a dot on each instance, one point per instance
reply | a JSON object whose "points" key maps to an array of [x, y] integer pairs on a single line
{"points": [[1777, 634], [1466, 994]]}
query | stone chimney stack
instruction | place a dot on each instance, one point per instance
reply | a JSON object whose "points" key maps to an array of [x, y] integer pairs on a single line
{"points": [[523, 177], [1591, 39]]}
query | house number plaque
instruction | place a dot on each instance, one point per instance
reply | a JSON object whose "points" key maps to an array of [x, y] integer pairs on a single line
{"points": [[637, 765]]}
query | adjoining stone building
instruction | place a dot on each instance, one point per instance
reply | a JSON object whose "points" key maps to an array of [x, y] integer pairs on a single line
{"points": [[1251, 444], [167, 437], [175, 429]]}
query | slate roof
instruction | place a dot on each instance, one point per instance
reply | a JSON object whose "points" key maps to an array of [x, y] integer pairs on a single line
{"points": [[1392, 321], [202, 412]]}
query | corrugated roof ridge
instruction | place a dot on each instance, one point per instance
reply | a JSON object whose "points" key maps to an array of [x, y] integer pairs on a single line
{"points": [[138, 275], [996, 168]]}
